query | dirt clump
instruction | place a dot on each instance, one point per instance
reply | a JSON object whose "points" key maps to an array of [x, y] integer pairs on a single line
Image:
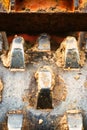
{"points": [[5, 3], [62, 125], [59, 55], [59, 92], [1, 89], [5, 58]]}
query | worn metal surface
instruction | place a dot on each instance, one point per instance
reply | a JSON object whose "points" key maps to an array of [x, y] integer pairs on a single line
{"points": [[17, 54], [76, 99], [72, 56], [44, 99], [17, 84], [15, 121], [44, 43], [44, 79], [75, 121]]}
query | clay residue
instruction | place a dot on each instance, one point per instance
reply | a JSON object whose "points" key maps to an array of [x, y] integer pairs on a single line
{"points": [[27, 57], [1, 89], [5, 58], [31, 95], [85, 84], [62, 125], [60, 91], [77, 77], [60, 55], [63, 122], [5, 3], [76, 111], [83, 4], [82, 58]]}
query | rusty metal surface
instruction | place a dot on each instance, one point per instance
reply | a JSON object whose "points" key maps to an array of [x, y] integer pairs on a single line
{"points": [[17, 85], [43, 22]]}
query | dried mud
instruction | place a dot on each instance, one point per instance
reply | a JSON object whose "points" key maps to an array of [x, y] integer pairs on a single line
{"points": [[59, 91], [1, 89], [5, 4], [60, 56], [62, 125]]}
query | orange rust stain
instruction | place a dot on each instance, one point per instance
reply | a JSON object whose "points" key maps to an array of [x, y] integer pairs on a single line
{"points": [[30, 38], [33, 38], [68, 4], [58, 39], [10, 38], [35, 5], [5, 3], [26, 37]]}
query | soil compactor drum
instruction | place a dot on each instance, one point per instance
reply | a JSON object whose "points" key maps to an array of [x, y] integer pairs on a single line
{"points": [[43, 64]]}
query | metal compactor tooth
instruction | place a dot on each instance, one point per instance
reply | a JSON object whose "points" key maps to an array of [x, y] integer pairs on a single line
{"points": [[17, 54], [71, 53], [75, 121], [44, 88], [44, 42], [15, 121]]}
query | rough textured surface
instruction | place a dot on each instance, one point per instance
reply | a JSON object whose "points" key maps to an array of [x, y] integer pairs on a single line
{"points": [[59, 91], [44, 6], [16, 86], [6, 58], [60, 54], [1, 90], [52, 23], [5, 4], [46, 82], [20, 93]]}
